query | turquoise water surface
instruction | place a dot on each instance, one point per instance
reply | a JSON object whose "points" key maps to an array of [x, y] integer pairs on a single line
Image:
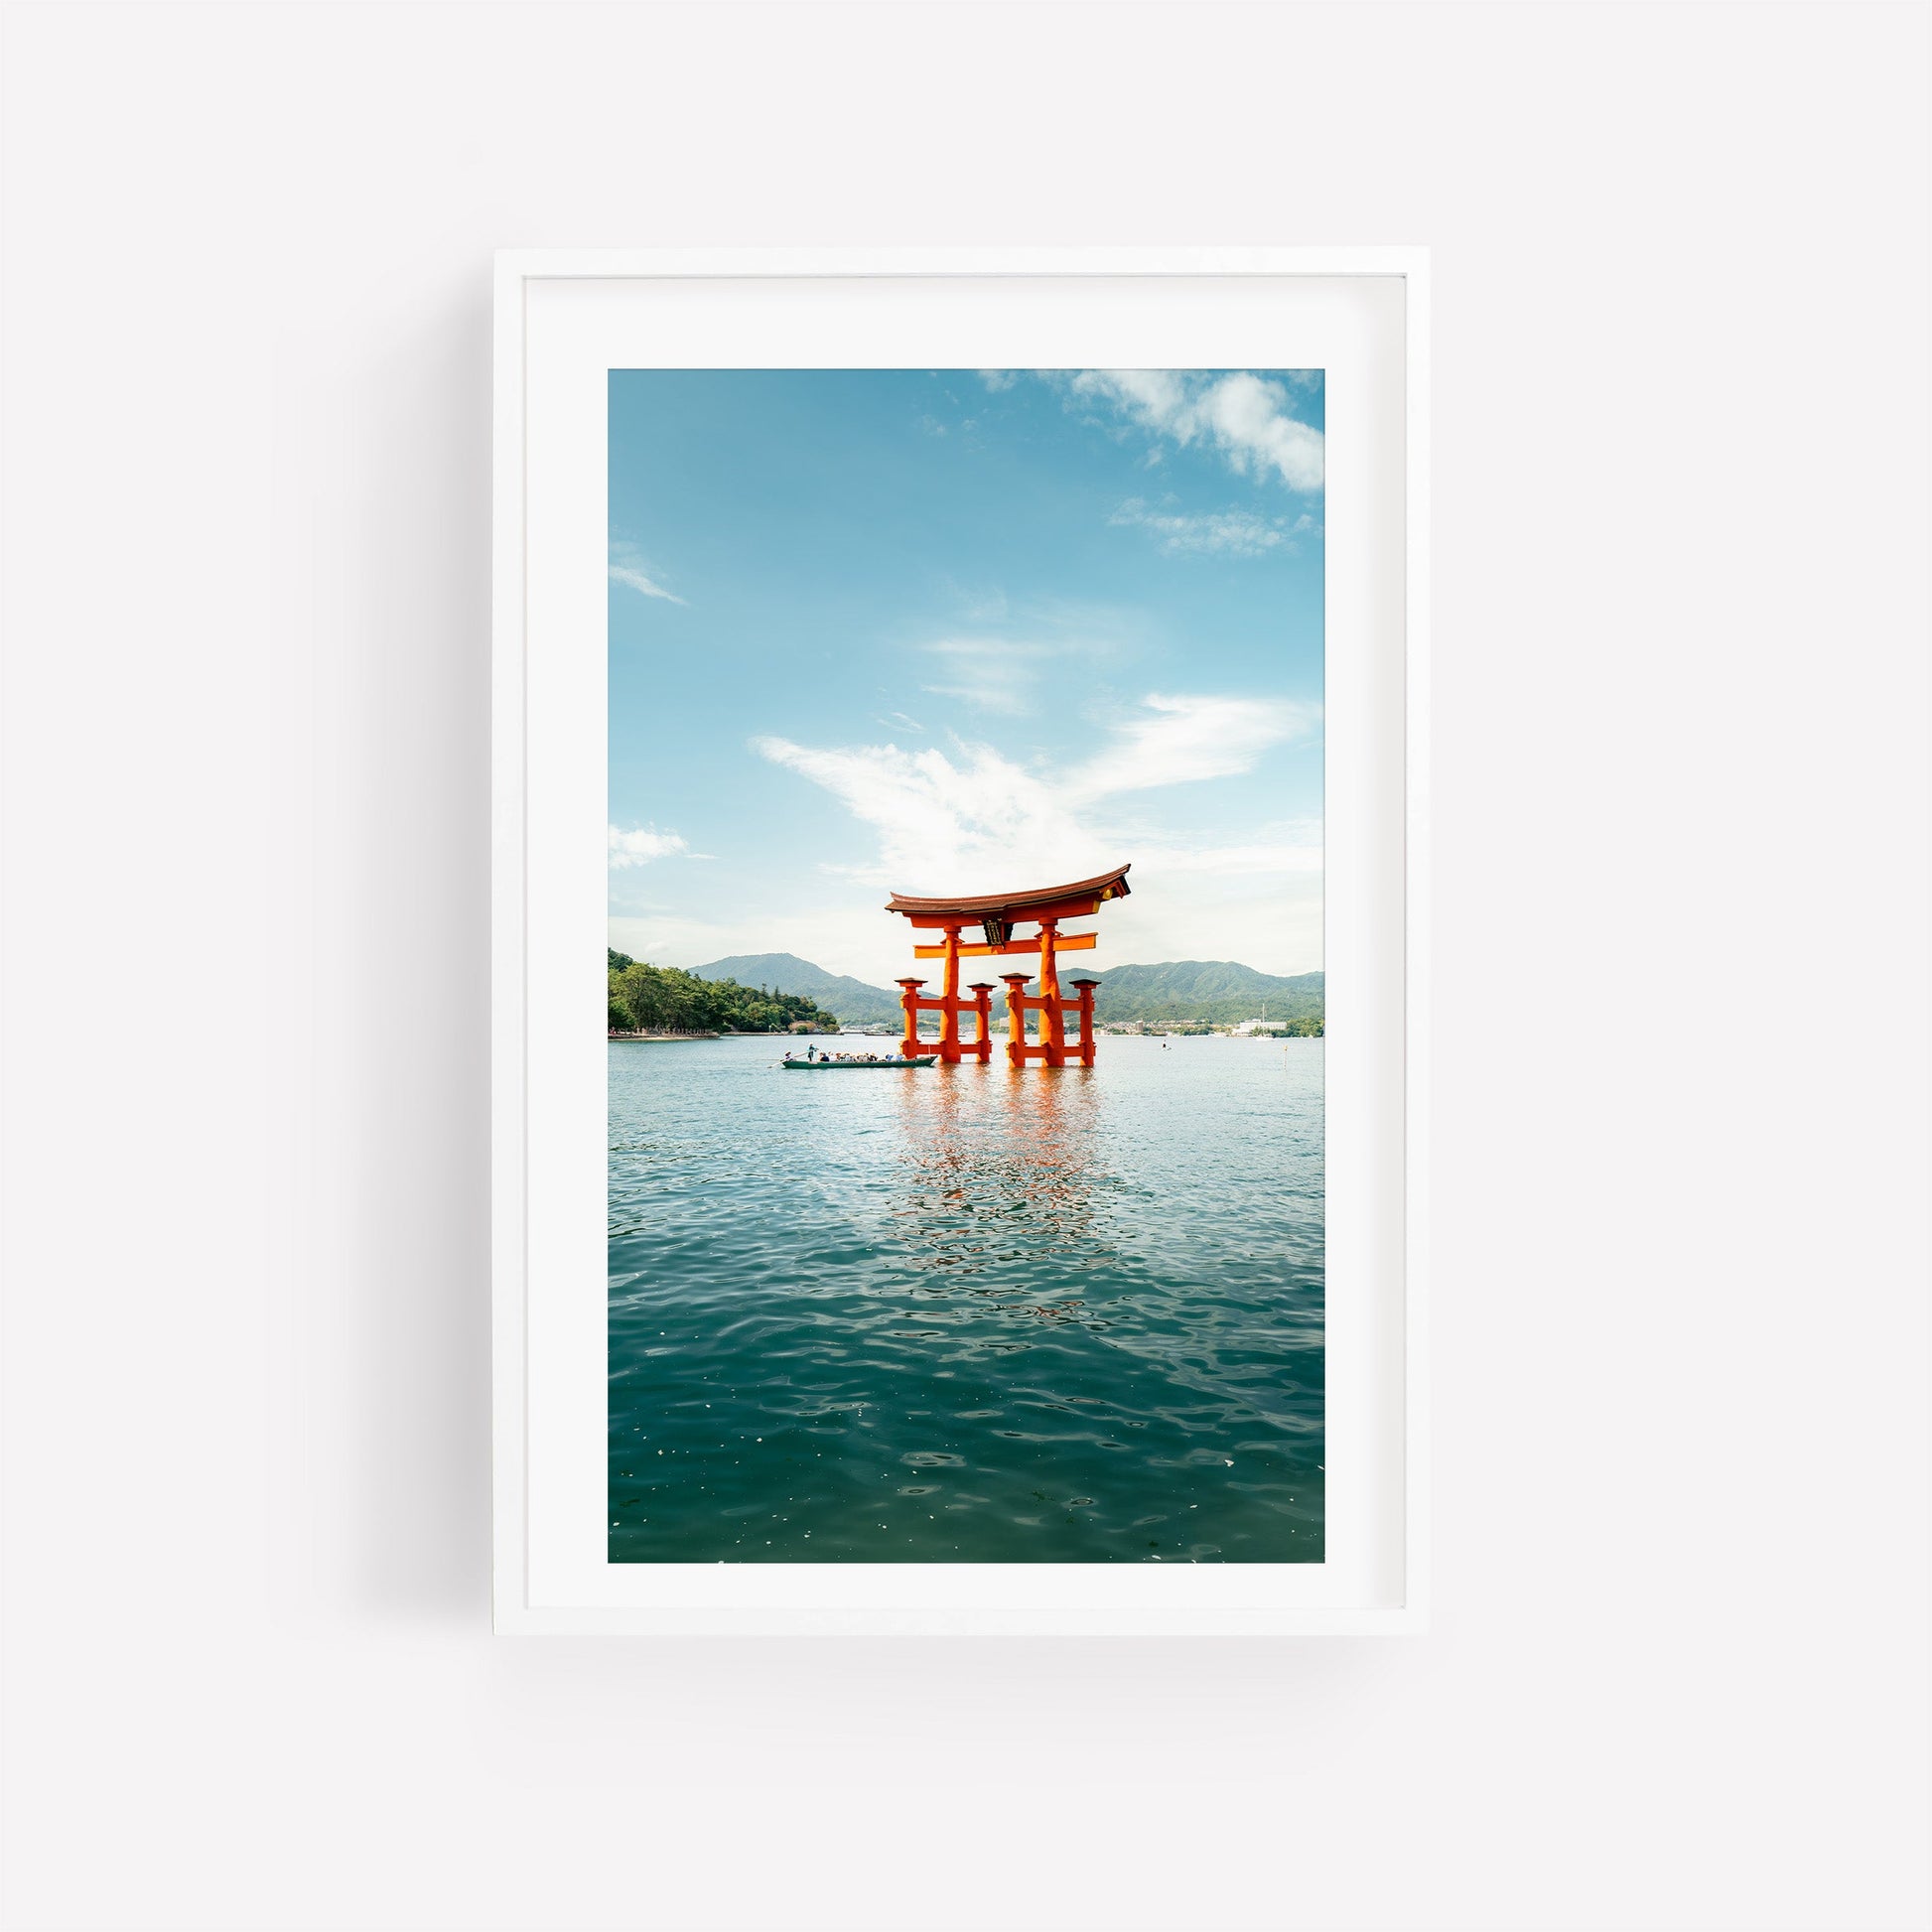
{"points": [[967, 1314]]}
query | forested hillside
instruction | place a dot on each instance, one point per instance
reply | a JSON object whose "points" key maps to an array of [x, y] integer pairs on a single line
{"points": [[647, 998]]}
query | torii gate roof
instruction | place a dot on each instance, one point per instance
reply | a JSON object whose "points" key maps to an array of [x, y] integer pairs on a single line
{"points": [[1017, 906]]}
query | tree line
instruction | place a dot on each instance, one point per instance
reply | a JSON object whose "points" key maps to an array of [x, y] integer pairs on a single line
{"points": [[661, 999]]}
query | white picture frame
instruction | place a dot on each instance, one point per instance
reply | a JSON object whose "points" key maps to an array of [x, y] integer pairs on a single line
{"points": [[559, 317]]}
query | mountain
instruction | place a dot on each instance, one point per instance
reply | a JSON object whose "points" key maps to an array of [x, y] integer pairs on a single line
{"points": [[1217, 989], [856, 1003], [1202, 979]]}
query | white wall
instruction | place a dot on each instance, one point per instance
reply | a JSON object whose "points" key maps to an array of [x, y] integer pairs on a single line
{"points": [[1680, 811]]}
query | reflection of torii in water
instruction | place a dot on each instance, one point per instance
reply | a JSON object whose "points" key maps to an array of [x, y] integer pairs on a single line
{"points": [[995, 915]]}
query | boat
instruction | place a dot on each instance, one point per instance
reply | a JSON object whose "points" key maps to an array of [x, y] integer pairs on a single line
{"points": [[854, 1066]]}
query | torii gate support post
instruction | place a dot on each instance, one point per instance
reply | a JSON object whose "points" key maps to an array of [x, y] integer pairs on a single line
{"points": [[949, 1002], [1052, 1014], [982, 991], [911, 1002], [1084, 988], [1015, 1017]]}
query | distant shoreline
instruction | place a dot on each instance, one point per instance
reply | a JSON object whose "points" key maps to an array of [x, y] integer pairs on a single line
{"points": [[932, 1039]]}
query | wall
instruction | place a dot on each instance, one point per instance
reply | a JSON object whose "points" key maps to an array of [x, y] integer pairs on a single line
{"points": [[1679, 1247]]}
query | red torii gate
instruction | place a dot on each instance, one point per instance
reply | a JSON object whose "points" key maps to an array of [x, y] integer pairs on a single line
{"points": [[995, 915]]}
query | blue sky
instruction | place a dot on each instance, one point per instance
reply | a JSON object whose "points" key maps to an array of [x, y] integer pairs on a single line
{"points": [[958, 631]]}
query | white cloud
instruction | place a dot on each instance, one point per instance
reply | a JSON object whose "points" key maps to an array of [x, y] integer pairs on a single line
{"points": [[994, 674], [998, 379], [1258, 860], [627, 567], [1242, 415], [1003, 674], [640, 846], [976, 821], [1233, 533], [624, 574], [972, 820], [936, 819], [1181, 741]]}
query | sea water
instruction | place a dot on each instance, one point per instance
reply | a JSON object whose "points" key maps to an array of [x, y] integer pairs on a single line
{"points": [[967, 1314]]}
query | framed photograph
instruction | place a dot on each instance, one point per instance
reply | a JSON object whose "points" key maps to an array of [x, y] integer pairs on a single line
{"points": [[967, 707]]}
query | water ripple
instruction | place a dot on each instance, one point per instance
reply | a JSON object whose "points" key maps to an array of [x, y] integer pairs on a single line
{"points": [[967, 1314]]}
